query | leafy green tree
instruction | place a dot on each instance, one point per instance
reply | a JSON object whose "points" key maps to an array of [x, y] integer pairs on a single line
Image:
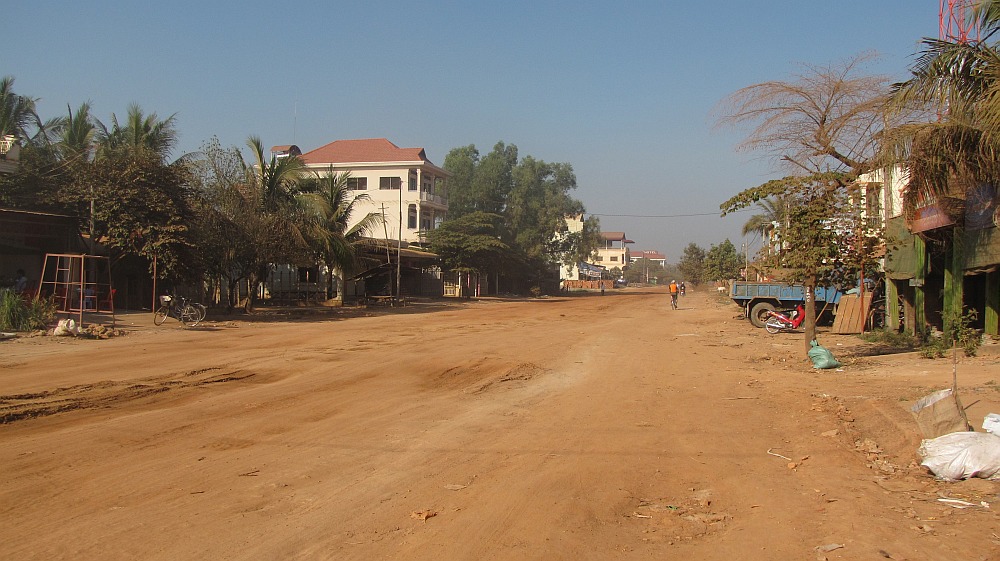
{"points": [[532, 196], [722, 262], [461, 163], [692, 264], [494, 179], [472, 244], [224, 222], [136, 205], [822, 241]]}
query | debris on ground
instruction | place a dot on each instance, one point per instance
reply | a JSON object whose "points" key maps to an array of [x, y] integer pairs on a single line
{"points": [[938, 414], [962, 455], [66, 328], [98, 331], [822, 357]]}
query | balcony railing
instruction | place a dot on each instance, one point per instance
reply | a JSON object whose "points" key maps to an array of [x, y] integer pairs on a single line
{"points": [[432, 198]]}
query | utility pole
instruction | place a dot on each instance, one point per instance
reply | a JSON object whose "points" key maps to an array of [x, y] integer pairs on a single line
{"points": [[399, 244]]}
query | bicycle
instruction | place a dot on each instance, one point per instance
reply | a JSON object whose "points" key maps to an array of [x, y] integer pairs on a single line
{"points": [[673, 300], [190, 314]]}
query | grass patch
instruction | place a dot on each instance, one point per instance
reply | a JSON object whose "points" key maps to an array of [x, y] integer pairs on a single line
{"points": [[890, 338]]}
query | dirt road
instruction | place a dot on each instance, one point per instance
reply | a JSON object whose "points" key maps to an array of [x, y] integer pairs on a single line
{"points": [[582, 427]]}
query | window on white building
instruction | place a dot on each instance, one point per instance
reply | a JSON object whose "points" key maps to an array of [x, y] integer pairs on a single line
{"points": [[357, 183], [411, 221], [393, 183]]}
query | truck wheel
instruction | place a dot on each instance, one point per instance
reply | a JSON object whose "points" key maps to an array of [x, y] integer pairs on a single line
{"points": [[759, 313]]}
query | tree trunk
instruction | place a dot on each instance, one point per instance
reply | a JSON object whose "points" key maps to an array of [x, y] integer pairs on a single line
{"points": [[338, 273], [232, 294], [810, 321]]}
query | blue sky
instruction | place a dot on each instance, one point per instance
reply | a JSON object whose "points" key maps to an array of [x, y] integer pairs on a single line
{"points": [[626, 92]]}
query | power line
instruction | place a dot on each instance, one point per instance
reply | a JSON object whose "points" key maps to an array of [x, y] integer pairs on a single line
{"points": [[666, 215]]}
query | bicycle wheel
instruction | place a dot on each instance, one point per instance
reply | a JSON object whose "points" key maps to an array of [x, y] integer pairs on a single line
{"points": [[160, 315], [189, 316], [202, 311]]}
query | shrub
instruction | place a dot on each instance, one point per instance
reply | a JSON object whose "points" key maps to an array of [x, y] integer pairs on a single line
{"points": [[957, 331], [18, 314]]}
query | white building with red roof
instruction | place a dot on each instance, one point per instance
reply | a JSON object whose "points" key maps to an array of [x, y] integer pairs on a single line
{"points": [[614, 252], [401, 183], [651, 255]]}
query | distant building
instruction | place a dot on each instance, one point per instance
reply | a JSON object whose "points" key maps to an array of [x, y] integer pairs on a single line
{"points": [[614, 252], [10, 152], [651, 255], [400, 183]]}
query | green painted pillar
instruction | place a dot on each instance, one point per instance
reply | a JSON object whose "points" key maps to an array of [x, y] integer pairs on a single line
{"points": [[920, 274], [992, 318], [891, 305], [954, 275]]}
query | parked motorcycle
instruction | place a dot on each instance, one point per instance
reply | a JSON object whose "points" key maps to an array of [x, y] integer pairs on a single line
{"points": [[777, 321]]}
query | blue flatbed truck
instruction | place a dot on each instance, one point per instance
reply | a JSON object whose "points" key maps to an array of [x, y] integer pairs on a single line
{"points": [[759, 298]]}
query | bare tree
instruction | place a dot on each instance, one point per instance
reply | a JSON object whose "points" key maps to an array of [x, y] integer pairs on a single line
{"points": [[824, 119]]}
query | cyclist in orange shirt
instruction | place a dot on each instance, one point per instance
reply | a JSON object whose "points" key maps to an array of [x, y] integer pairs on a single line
{"points": [[674, 289]]}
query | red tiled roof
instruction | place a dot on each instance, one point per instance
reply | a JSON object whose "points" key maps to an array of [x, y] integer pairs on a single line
{"points": [[366, 150], [649, 254]]}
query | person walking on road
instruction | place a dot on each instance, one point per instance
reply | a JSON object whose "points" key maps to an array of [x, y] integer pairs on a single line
{"points": [[674, 289]]}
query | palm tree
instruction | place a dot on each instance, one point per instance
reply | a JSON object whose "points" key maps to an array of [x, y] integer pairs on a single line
{"points": [[274, 182], [337, 242], [17, 112], [951, 156], [139, 132], [771, 222], [78, 135], [960, 82], [271, 215]]}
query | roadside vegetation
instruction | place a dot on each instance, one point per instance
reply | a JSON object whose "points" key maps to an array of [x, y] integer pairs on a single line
{"points": [[20, 314], [223, 216]]}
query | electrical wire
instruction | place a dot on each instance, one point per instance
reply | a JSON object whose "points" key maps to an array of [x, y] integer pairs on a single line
{"points": [[666, 215]]}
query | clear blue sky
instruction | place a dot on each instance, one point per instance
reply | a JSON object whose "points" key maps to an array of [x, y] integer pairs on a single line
{"points": [[624, 91]]}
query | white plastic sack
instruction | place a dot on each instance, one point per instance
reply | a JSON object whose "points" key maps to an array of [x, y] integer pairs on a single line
{"points": [[991, 424], [961, 455], [66, 327]]}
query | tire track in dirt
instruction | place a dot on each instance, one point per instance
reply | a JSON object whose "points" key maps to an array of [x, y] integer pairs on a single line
{"points": [[16, 407]]}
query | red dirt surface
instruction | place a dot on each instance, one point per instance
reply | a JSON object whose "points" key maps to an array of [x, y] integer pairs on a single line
{"points": [[581, 427]]}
